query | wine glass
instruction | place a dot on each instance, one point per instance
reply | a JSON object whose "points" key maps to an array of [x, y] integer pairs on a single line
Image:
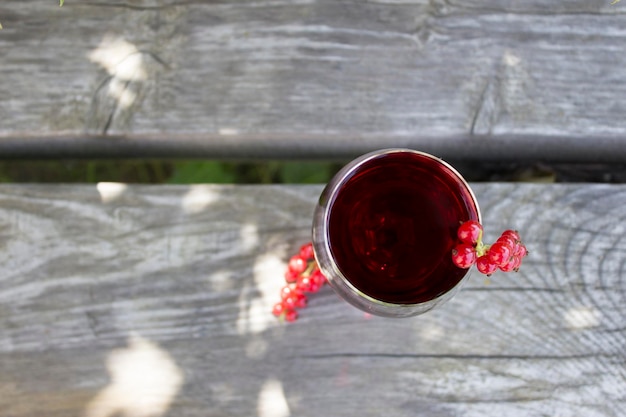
{"points": [[384, 229]]}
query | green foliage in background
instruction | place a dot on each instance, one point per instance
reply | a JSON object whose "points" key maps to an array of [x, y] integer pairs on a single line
{"points": [[252, 173]]}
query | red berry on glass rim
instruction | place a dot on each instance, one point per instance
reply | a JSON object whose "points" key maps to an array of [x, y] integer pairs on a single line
{"points": [[512, 264], [463, 255], [520, 251], [470, 232], [513, 234], [485, 265], [505, 254], [499, 253], [508, 241]]}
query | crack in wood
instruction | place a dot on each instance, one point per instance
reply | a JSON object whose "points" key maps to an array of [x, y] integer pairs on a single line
{"points": [[470, 357], [513, 289], [486, 109]]}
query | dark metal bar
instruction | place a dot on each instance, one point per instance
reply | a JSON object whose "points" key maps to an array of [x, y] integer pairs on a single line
{"points": [[503, 148]]}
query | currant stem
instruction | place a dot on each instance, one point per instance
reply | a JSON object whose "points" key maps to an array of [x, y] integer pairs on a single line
{"points": [[481, 248], [309, 269]]}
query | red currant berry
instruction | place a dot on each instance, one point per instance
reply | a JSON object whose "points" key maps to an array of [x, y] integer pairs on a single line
{"points": [[304, 283], [507, 241], [301, 301], [485, 266], [513, 234], [291, 315], [520, 251], [297, 264], [499, 253], [303, 275], [288, 290], [318, 277], [463, 255], [295, 300], [289, 303], [469, 232], [306, 251], [512, 264], [315, 286], [291, 276], [278, 309]]}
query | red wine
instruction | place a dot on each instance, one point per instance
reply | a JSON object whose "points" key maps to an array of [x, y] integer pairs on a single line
{"points": [[392, 227]]}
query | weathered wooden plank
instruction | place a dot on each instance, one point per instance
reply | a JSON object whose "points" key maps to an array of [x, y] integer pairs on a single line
{"points": [[139, 300], [395, 70]]}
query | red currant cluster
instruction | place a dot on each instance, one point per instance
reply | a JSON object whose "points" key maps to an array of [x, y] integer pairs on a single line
{"points": [[302, 276], [505, 254]]}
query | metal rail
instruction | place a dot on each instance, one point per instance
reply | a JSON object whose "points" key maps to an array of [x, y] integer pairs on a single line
{"points": [[509, 148]]}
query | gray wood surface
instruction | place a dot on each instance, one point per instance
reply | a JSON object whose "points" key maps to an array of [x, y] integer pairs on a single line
{"points": [[372, 73], [150, 301]]}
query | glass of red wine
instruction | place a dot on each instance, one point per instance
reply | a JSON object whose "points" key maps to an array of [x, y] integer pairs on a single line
{"points": [[385, 227]]}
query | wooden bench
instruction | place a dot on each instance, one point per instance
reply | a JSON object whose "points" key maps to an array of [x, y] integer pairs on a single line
{"points": [[154, 301], [157, 299]]}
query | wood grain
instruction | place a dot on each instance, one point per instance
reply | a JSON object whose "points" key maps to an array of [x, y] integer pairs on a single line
{"points": [[396, 70], [154, 301]]}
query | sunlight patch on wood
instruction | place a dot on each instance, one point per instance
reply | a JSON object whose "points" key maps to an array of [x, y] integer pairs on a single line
{"points": [[228, 131], [124, 62], [110, 191], [198, 198], [255, 315], [221, 281], [582, 317], [431, 331], [272, 401], [511, 59], [120, 58], [249, 235], [144, 382]]}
